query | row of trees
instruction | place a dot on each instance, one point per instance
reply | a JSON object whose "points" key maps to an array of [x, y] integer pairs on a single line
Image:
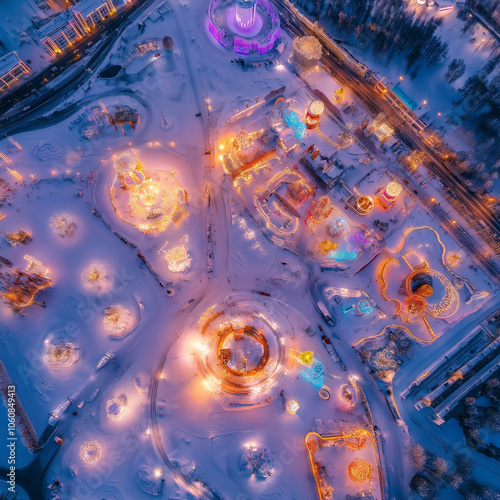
{"points": [[433, 470], [478, 107], [384, 26]]}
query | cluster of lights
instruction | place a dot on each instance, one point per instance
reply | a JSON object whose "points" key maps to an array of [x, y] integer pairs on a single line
{"points": [[178, 259], [91, 452], [62, 224], [115, 319], [356, 442], [360, 470], [384, 360], [94, 276], [61, 355], [292, 406]]}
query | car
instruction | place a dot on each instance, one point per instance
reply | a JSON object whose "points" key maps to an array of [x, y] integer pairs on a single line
{"points": [[26, 108]]}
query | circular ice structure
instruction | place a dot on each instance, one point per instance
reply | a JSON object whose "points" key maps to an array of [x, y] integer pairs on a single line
{"points": [[246, 25], [243, 350], [90, 452]]}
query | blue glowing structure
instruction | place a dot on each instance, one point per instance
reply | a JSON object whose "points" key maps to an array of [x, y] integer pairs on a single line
{"points": [[342, 255], [314, 374], [292, 121], [364, 307]]}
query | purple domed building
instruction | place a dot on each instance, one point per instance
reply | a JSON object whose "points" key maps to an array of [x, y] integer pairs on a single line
{"points": [[246, 26]]}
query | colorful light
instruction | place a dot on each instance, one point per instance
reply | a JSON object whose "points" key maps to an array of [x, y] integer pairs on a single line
{"points": [[360, 470], [292, 406]]}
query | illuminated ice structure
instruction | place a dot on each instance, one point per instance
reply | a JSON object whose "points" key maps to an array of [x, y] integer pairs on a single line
{"points": [[336, 226], [91, 452], [118, 321], [245, 25], [245, 13], [178, 259], [115, 408], [94, 276], [150, 200], [313, 369], [390, 194], [62, 224], [60, 352], [243, 353], [364, 307]]}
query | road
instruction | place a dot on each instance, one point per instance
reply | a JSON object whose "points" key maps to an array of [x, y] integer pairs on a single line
{"points": [[407, 134]]}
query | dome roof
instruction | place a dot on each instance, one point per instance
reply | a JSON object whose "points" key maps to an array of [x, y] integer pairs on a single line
{"points": [[168, 43]]}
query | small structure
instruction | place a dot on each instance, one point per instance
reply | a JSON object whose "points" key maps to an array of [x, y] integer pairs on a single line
{"points": [[292, 406], [306, 53], [12, 68], [390, 194], [124, 117], [144, 48], [60, 353], [336, 226]]}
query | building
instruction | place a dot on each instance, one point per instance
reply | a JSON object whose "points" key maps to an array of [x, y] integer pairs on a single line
{"points": [[90, 13], [12, 68], [60, 33], [306, 53], [74, 24]]}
